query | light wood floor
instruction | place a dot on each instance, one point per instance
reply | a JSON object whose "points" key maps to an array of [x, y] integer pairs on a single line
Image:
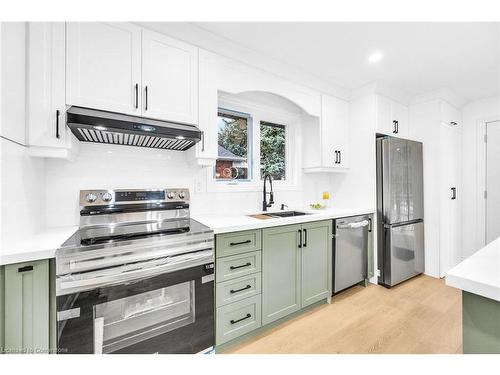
{"points": [[422, 315]]}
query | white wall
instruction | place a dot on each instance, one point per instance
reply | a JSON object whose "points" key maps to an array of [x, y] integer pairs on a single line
{"points": [[22, 199], [474, 115]]}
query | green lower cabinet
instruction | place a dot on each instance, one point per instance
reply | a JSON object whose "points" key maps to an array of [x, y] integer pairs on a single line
{"points": [[26, 293], [481, 324], [316, 262], [280, 272]]}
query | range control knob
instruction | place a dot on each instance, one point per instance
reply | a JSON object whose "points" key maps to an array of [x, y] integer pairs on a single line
{"points": [[182, 195], [107, 197], [90, 197], [171, 195]]}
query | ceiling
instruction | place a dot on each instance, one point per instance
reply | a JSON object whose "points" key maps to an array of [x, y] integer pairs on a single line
{"points": [[417, 57]]}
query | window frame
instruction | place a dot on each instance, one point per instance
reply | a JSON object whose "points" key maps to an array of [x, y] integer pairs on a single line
{"points": [[257, 113]]}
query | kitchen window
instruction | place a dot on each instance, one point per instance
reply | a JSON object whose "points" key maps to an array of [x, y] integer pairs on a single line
{"points": [[233, 133], [253, 139], [272, 150]]}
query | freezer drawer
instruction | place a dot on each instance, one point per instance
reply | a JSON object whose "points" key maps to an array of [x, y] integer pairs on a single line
{"points": [[350, 251], [404, 252]]}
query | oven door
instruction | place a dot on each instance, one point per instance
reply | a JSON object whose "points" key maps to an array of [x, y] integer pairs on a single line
{"points": [[171, 312]]}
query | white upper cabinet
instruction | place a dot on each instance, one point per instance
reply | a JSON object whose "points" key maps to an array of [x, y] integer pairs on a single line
{"points": [[169, 78], [392, 117], [326, 140], [206, 150], [46, 85], [103, 66], [334, 132], [12, 81]]}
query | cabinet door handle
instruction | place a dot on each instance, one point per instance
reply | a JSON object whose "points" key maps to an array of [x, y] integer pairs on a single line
{"points": [[395, 123], [146, 98], [300, 238], [136, 95], [453, 193], [305, 238], [57, 124], [243, 265], [336, 157], [239, 243], [340, 157], [25, 269], [369, 224], [232, 291], [232, 321]]}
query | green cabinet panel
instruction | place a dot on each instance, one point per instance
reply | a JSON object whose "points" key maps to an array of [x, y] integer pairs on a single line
{"points": [[481, 324], [316, 262], [237, 265], [26, 291], [237, 289], [280, 272], [2, 307]]}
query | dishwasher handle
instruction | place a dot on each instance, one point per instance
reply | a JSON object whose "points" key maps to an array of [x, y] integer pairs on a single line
{"points": [[355, 225]]}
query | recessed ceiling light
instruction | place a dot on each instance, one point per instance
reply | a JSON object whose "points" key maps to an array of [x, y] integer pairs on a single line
{"points": [[375, 57]]}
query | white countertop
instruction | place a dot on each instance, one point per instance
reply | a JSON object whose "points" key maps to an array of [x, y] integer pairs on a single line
{"points": [[480, 273], [39, 246], [237, 222]]}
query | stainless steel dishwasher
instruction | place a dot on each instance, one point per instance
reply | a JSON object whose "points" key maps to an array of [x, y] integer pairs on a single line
{"points": [[350, 251]]}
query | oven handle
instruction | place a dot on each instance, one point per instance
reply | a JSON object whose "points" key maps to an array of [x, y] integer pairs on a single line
{"points": [[68, 285]]}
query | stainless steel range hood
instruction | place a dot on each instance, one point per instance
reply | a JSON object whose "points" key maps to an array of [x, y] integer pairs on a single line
{"points": [[90, 125]]}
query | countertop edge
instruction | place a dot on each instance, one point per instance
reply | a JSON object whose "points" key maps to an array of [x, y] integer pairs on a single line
{"points": [[473, 286]]}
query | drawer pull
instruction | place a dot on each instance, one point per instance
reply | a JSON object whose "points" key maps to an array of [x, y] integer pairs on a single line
{"points": [[239, 320], [240, 243], [25, 269], [232, 291], [243, 265]]}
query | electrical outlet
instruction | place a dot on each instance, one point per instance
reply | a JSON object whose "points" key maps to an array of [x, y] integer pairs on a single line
{"points": [[198, 186]]}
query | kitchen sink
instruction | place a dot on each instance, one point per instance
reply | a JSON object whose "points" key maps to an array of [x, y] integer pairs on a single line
{"points": [[272, 215], [287, 213]]}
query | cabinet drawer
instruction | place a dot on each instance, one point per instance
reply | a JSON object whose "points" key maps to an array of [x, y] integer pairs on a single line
{"points": [[237, 265], [238, 289], [237, 319], [237, 243]]}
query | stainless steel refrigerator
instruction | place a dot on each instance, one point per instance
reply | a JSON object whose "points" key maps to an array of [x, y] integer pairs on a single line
{"points": [[400, 210]]}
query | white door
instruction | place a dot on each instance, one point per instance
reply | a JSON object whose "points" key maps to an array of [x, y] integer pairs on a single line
{"points": [[450, 198], [46, 82], [103, 66], [492, 181], [334, 132], [170, 79]]}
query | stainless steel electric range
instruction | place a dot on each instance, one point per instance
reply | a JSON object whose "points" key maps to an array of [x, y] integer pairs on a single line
{"points": [[137, 277]]}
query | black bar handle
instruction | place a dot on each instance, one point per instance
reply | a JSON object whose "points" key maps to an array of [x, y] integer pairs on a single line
{"points": [[336, 157], [397, 126], [146, 97], [57, 123], [232, 291], [300, 238], [305, 238], [136, 95], [239, 243], [395, 123], [369, 224], [453, 193], [243, 265], [239, 320], [25, 269], [340, 157]]}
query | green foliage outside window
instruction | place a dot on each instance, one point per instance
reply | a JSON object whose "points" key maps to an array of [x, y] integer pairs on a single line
{"points": [[272, 150]]}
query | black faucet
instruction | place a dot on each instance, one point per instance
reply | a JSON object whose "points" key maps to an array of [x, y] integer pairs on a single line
{"points": [[265, 205]]}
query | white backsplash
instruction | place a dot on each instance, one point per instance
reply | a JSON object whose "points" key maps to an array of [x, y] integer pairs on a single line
{"points": [[109, 166]]}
